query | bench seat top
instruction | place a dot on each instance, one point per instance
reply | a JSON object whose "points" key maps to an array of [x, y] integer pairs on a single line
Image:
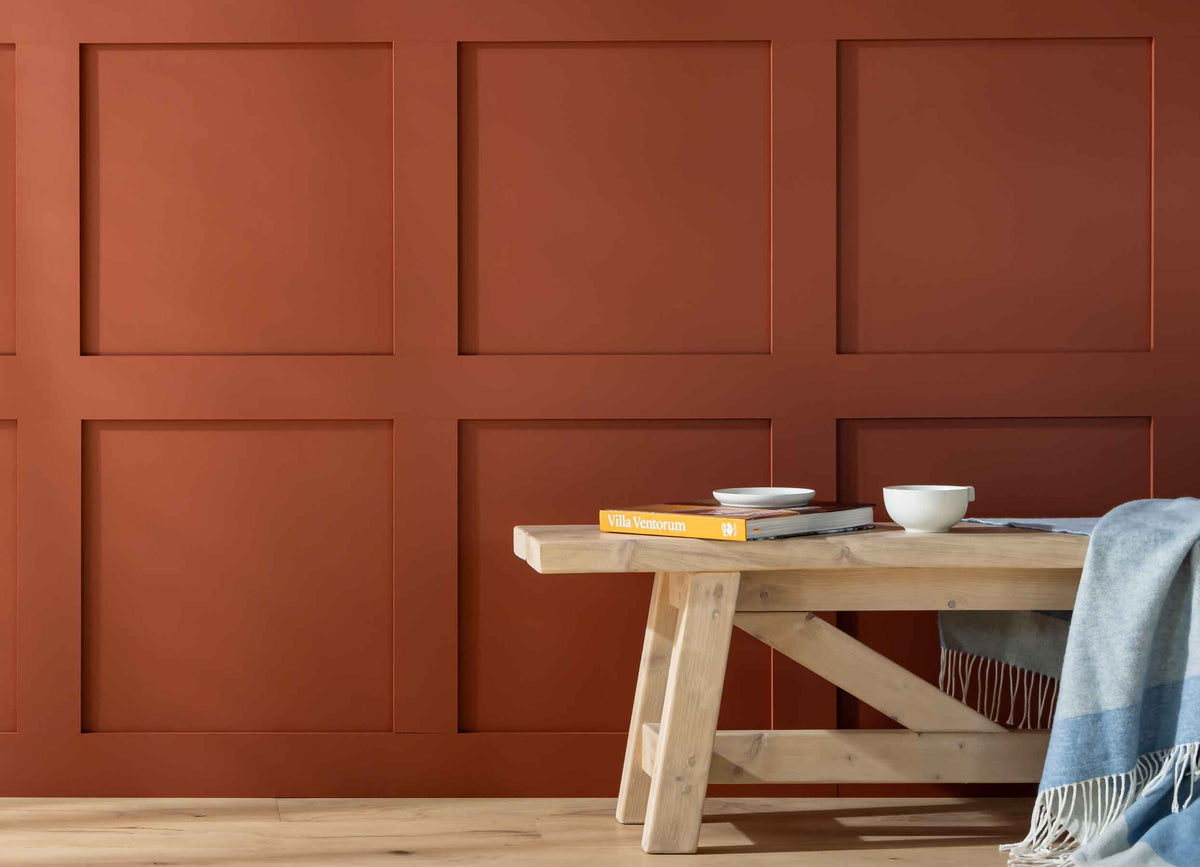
{"points": [[580, 548]]}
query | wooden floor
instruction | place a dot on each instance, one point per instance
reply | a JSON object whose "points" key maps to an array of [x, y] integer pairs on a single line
{"points": [[567, 832]]}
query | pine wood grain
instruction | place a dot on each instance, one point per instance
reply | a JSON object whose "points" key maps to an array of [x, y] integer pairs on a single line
{"points": [[679, 776], [874, 589], [864, 673], [565, 832], [584, 548], [870, 756], [647, 700]]}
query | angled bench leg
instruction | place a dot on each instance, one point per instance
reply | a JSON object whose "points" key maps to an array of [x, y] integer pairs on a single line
{"points": [[647, 700], [689, 717]]}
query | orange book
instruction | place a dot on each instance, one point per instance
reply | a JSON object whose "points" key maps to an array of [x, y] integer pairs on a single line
{"points": [[706, 519]]}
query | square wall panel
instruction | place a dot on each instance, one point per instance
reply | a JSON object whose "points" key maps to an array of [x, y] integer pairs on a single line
{"points": [[237, 576], [8, 199], [237, 199], [560, 652], [8, 576], [1049, 467], [615, 197], [994, 195], [1035, 467]]}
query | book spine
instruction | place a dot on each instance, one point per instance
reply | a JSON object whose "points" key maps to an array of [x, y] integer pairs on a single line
{"points": [[669, 524]]}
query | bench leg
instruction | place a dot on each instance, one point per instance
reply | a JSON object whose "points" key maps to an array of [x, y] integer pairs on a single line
{"points": [[647, 700], [689, 717]]}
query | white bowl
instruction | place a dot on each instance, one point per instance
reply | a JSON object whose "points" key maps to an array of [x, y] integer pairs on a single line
{"points": [[927, 508], [764, 498]]}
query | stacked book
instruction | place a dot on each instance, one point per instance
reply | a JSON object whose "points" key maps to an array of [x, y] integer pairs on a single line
{"points": [[707, 519]]}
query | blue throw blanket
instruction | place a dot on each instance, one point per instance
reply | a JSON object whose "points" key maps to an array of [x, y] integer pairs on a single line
{"points": [[1121, 772]]}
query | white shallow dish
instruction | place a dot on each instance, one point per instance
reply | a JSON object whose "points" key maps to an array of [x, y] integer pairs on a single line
{"points": [[764, 498]]}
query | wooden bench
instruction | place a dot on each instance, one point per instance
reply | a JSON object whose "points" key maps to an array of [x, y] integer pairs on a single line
{"points": [[703, 589]]}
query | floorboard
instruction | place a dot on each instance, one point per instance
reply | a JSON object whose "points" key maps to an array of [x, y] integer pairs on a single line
{"points": [[570, 832]]}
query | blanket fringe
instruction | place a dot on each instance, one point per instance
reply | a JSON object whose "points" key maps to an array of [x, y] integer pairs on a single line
{"points": [[1092, 805], [1031, 696]]}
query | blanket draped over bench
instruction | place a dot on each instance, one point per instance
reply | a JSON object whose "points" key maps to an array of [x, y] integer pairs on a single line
{"points": [[1122, 685]]}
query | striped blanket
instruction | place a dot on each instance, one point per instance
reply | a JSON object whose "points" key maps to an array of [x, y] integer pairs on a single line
{"points": [[1120, 679]]}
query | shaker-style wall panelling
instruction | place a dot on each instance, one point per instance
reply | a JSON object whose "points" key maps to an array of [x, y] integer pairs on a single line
{"points": [[236, 199], [560, 653], [995, 195], [304, 303], [616, 197], [1035, 466], [8, 198], [237, 576]]}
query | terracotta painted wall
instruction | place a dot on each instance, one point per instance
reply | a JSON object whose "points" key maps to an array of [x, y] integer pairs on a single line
{"points": [[304, 303]]}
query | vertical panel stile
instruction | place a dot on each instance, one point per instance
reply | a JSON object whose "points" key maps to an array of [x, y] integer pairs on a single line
{"points": [[804, 210], [9, 378], [48, 478], [7, 195], [804, 317], [1176, 432], [425, 147], [425, 460], [804, 452], [425, 579]]}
